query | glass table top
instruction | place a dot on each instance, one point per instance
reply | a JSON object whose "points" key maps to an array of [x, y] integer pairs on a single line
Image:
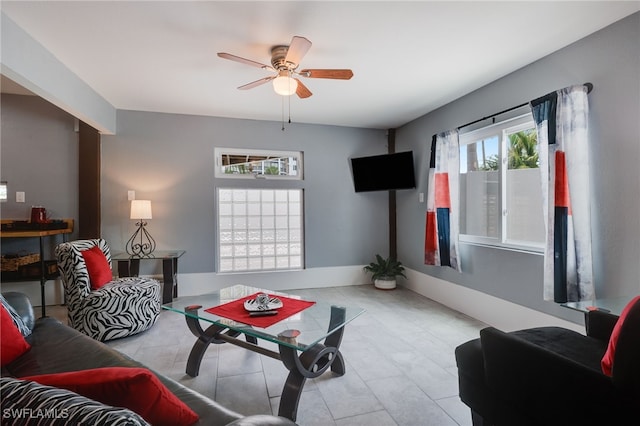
{"points": [[157, 254], [614, 305], [311, 325]]}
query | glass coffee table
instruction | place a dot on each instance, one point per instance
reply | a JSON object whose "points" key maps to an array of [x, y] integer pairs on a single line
{"points": [[320, 352]]}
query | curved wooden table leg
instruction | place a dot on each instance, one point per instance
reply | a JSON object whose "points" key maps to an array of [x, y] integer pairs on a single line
{"points": [[311, 363], [205, 338]]}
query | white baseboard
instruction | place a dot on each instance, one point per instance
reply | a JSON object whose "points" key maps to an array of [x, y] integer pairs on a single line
{"points": [[198, 283], [493, 311], [194, 284]]}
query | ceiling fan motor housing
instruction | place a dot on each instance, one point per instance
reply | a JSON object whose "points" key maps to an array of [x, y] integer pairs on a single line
{"points": [[278, 56]]}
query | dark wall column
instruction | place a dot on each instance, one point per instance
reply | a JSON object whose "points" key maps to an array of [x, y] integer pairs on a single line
{"points": [[393, 243], [89, 182]]}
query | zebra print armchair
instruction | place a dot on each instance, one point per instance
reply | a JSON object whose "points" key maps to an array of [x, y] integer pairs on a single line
{"points": [[120, 308]]}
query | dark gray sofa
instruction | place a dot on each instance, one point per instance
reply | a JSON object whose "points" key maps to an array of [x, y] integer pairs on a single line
{"points": [[57, 348]]}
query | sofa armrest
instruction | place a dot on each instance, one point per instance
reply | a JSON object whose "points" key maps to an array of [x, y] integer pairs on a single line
{"points": [[599, 324], [543, 381], [22, 305]]}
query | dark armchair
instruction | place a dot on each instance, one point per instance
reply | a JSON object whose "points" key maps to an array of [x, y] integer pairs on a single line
{"points": [[552, 376]]}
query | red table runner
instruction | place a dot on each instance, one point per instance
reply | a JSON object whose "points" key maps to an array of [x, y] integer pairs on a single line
{"points": [[235, 311]]}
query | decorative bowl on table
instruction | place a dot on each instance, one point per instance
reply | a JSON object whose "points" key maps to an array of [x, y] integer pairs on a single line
{"points": [[262, 304]]}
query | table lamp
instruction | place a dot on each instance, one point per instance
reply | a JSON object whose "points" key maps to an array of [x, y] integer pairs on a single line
{"points": [[141, 243]]}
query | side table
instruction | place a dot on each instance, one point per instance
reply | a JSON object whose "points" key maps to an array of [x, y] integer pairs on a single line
{"points": [[129, 266], [612, 305], [41, 234]]}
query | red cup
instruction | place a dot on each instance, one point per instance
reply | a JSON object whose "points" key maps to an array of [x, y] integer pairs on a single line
{"points": [[38, 215]]}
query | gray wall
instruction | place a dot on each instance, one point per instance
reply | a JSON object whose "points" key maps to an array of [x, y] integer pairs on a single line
{"points": [[610, 59], [39, 156], [169, 159]]}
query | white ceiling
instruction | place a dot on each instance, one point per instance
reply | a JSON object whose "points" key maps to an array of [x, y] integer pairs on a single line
{"points": [[408, 58]]}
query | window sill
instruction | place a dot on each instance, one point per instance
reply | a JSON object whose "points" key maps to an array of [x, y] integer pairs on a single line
{"points": [[512, 248]]}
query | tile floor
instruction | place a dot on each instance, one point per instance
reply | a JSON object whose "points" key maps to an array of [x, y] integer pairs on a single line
{"points": [[399, 360]]}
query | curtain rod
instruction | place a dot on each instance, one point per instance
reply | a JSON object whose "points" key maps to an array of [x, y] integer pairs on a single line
{"points": [[589, 87]]}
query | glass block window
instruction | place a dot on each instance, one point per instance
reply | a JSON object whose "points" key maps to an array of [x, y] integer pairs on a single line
{"points": [[260, 229]]}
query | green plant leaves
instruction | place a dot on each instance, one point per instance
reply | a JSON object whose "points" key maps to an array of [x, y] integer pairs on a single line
{"points": [[384, 268]]}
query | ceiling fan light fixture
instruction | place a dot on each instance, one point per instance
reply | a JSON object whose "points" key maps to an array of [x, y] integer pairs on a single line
{"points": [[284, 85]]}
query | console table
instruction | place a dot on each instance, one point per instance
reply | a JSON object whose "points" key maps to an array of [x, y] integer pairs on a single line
{"points": [[41, 234], [129, 266]]}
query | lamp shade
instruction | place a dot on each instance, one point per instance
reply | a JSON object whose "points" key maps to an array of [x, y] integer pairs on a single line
{"points": [[284, 85], [140, 209]]}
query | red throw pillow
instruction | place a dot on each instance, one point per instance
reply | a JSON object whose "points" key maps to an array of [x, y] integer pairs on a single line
{"points": [[137, 389], [607, 360], [97, 266], [12, 343]]}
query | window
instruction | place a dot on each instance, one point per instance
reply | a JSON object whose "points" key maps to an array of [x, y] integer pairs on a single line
{"points": [[243, 163], [500, 190], [260, 229]]}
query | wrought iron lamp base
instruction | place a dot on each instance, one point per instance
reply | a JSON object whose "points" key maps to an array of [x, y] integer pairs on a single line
{"points": [[141, 242]]}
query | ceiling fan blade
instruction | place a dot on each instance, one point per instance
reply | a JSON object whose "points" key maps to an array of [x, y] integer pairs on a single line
{"points": [[302, 91], [256, 83], [245, 61], [297, 49], [337, 74]]}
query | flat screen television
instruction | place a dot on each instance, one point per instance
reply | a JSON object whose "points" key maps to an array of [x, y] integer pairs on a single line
{"points": [[383, 172]]}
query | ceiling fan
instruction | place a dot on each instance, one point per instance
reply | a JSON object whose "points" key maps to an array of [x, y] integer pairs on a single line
{"points": [[284, 63]]}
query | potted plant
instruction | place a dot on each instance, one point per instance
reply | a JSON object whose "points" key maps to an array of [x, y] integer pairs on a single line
{"points": [[384, 272]]}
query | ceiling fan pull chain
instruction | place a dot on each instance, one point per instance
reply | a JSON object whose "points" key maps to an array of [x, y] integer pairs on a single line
{"points": [[282, 97], [289, 97]]}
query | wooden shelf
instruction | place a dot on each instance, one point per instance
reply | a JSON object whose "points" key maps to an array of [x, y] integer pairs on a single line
{"points": [[31, 272], [36, 233], [38, 271]]}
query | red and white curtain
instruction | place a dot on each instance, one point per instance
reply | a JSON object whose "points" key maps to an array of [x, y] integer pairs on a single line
{"points": [[562, 123], [442, 229]]}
